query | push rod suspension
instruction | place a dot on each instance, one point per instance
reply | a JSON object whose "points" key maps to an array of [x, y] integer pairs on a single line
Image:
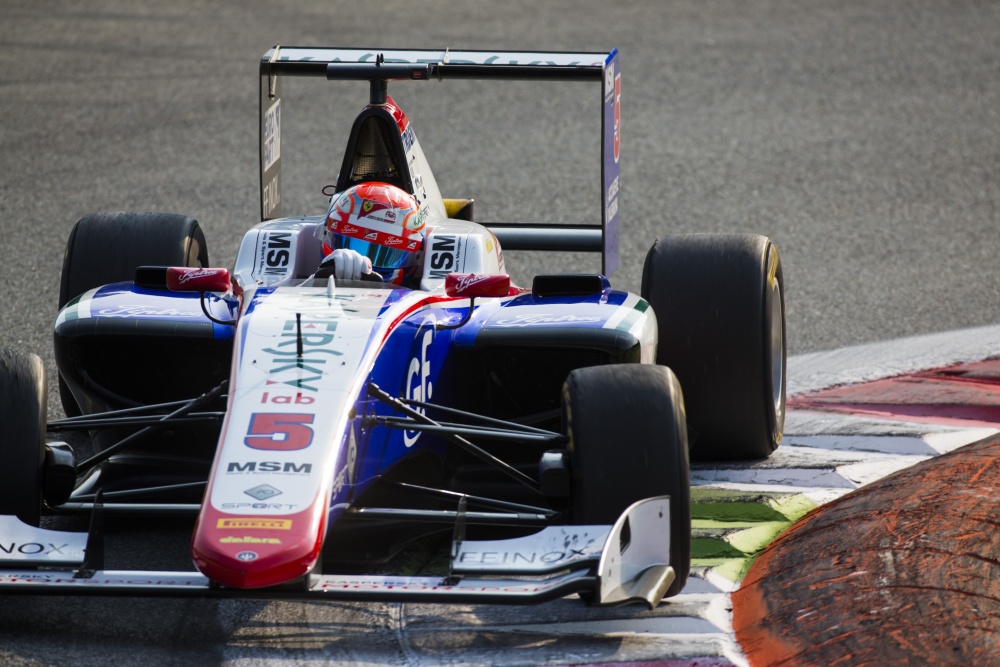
{"points": [[163, 422], [458, 440]]}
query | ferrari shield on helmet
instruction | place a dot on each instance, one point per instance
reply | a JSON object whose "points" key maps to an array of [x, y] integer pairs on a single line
{"points": [[380, 221]]}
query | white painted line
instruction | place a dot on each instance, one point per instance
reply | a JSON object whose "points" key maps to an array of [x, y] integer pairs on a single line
{"points": [[803, 422], [863, 363], [877, 444], [951, 440], [816, 494], [774, 477]]}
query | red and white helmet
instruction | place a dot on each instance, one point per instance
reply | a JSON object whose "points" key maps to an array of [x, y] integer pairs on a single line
{"points": [[380, 221]]}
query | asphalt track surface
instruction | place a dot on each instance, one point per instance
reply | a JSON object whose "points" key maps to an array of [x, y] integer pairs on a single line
{"points": [[861, 136]]}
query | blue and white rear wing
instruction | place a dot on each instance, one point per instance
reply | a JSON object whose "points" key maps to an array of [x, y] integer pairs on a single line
{"points": [[379, 66]]}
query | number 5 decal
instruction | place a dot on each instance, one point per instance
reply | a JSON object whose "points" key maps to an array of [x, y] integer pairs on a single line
{"points": [[279, 431]]}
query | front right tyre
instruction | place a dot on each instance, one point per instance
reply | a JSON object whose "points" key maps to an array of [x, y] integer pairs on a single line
{"points": [[628, 442], [107, 248]]}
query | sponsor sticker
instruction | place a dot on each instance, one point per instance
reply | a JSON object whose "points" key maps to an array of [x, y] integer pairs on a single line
{"points": [[263, 492], [48, 549], [272, 134], [127, 310], [346, 474], [538, 319], [271, 196], [193, 274], [409, 137], [274, 254], [285, 366], [180, 279], [514, 557], [249, 539], [470, 279], [285, 399], [259, 506], [287, 467], [252, 523], [445, 256], [418, 385], [477, 284]]}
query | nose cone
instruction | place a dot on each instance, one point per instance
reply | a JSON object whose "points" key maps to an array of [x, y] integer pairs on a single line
{"points": [[254, 551]]}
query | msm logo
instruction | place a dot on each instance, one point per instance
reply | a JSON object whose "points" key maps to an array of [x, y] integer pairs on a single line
{"points": [[270, 466]]}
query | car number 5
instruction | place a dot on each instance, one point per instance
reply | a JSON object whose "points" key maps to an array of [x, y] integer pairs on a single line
{"points": [[279, 431]]}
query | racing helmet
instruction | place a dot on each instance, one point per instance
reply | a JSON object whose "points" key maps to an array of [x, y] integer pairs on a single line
{"points": [[378, 220]]}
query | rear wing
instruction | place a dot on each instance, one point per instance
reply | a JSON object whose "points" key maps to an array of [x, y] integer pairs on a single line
{"points": [[379, 66]]}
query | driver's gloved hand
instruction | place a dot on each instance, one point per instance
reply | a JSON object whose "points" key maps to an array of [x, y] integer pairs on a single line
{"points": [[347, 264]]}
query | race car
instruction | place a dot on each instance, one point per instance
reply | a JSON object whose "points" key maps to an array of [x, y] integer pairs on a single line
{"points": [[319, 427]]}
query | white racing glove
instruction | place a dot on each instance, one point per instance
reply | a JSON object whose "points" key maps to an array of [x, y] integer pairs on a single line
{"points": [[348, 264]]}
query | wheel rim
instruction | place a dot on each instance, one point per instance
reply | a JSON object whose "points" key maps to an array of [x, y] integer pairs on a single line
{"points": [[777, 358]]}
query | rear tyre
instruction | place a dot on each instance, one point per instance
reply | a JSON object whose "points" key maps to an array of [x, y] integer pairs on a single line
{"points": [[22, 435], [628, 442], [107, 247], [719, 304]]}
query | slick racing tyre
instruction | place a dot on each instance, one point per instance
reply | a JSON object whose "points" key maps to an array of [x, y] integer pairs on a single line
{"points": [[107, 247], [627, 442], [719, 304], [22, 434]]}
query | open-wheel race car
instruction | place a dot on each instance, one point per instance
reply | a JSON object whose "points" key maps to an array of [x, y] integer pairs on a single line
{"points": [[317, 424]]}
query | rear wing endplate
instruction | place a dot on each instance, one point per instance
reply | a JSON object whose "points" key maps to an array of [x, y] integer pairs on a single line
{"points": [[426, 65]]}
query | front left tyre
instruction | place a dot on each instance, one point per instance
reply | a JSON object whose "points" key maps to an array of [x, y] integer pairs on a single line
{"points": [[719, 304], [23, 415]]}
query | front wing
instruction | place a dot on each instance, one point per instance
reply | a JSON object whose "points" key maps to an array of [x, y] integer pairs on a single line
{"points": [[626, 562]]}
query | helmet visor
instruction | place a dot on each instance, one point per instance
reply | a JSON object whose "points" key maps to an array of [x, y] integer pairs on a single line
{"points": [[383, 257]]}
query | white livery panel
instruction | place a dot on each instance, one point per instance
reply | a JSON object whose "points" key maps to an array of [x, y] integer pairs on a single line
{"points": [[303, 353]]}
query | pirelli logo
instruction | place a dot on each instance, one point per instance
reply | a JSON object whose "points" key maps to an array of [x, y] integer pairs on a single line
{"points": [[246, 523]]}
